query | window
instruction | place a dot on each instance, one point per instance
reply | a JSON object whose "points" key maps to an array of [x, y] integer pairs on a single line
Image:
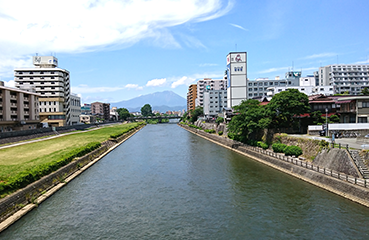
{"points": [[365, 104]]}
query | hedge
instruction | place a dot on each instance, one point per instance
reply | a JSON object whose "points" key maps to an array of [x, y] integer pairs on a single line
{"points": [[293, 151], [33, 174]]}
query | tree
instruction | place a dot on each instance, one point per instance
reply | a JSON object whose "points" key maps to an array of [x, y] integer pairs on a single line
{"points": [[250, 117], [364, 91], [195, 113], [286, 105], [123, 113], [146, 110]]}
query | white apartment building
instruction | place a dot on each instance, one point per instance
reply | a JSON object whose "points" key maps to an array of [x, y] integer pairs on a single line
{"points": [[214, 102], [351, 78], [75, 109], [208, 84], [308, 90], [53, 85], [260, 87]]}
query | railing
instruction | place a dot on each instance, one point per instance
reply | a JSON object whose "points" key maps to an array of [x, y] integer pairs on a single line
{"points": [[310, 166]]}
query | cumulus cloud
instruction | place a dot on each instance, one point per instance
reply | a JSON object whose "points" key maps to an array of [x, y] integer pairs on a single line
{"points": [[156, 82], [83, 88], [182, 81], [87, 25], [10, 83], [270, 70]]}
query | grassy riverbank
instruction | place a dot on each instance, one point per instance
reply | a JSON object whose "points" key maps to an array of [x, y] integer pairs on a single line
{"points": [[22, 158]]}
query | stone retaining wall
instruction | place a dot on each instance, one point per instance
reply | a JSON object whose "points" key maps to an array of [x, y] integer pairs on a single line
{"points": [[343, 188]]}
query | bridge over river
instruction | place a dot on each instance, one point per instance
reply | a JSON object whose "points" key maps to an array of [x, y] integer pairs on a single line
{"points": [[153, 117]]}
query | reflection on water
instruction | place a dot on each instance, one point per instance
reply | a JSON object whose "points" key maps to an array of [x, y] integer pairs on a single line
{"points": [[166, 183]]}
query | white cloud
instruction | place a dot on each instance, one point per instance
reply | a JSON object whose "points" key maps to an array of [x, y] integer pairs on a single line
{"points": [[182, 81], [238, 26], [83, 88], [320, 55], [363, 62], [86, 25], [10, 83], [131, 85], [208, 64], [270, 70], [156, 82]]}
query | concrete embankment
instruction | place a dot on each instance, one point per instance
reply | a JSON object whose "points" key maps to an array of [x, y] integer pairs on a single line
{"points": [[16, 205], [315, 175]]}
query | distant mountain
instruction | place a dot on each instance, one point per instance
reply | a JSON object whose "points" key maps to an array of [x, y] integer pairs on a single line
{"points": [[161, 101]]}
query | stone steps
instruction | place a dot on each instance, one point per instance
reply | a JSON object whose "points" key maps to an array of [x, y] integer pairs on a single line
{"points": [[359, 163]]}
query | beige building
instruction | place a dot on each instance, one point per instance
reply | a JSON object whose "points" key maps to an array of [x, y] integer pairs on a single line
{"points": [[53, 85], [19, 109], [101, 110], [191, 97], [88, 119]]}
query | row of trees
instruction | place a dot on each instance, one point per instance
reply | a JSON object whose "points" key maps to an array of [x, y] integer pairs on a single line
{"points": [[281, 112]]}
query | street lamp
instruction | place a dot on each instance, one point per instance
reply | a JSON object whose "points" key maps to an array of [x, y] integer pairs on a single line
{"points": [[326, 122]]}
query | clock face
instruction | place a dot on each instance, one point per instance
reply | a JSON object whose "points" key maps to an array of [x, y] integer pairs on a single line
{"points": [[208, 87]]}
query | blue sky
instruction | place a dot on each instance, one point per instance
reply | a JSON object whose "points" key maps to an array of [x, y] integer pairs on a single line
{"points": [[118, 50]]}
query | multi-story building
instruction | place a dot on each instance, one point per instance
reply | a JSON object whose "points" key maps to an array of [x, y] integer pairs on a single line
{"points": [[53, 85], [86, 109], [19, 109], [214, 102], [345, 78], [308, 90], [75, 109], [191, 97], [207, 84], [88, 119], [262, 86], [101, 110], [237, 78]]}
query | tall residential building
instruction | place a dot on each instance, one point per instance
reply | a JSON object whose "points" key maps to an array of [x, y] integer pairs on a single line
{"points": [[191, 97], [351, 78], [207, 84], [19, 109], [53, 85], [237, 78], [101, 110]]}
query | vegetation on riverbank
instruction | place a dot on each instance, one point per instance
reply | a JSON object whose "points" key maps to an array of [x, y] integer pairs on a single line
{"points": [[29, 162]]}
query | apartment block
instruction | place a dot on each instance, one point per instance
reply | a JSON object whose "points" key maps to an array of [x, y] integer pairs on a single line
{"points": [[101, 110], [53, 85], [214, 102], [345, 78], [19, 109], [75, 109], [208, 84], [191, 97]]}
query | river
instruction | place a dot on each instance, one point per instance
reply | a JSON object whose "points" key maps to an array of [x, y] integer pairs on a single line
{"points": [[166, 183]]}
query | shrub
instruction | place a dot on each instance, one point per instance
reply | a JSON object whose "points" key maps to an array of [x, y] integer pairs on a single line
{"points": [[220, 133], [264, 146], [210, 130], [293, 151], [278, 147], [219, 120]]}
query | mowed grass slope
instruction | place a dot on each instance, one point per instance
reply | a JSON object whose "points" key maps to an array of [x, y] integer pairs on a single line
{"points": [[20, 158]]}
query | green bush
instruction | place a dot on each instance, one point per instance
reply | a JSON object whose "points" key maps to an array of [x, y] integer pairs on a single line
{"points": [[219, 120], [210, 130], [293, 151], [220, 133], [278, 147], [262, 145]]}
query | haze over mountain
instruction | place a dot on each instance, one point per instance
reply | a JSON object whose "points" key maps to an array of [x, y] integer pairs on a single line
{"points": [[161, 101]]}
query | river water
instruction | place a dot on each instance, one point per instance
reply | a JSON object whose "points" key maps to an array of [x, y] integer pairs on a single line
{"points": [[166, 183]]}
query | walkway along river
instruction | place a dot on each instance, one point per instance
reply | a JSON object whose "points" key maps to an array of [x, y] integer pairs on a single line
{"points": [[167, 183]]}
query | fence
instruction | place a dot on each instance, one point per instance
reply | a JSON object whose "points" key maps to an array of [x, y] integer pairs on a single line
{"points": [[310, 166]]}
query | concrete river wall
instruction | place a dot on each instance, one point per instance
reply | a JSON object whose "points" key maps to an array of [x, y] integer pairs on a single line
{"points": [[350, 187]]}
